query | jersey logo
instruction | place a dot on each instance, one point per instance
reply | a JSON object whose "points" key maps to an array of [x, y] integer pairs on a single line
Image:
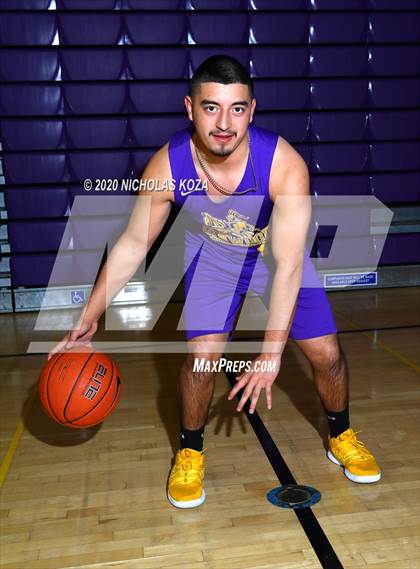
{"points": [[234, 229]]}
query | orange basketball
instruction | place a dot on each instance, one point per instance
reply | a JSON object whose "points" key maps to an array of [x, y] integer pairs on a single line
{"points": [[79, 388]]}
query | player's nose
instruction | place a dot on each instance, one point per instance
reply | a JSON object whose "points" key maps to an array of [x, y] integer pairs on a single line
{"points": [[223, 120]]}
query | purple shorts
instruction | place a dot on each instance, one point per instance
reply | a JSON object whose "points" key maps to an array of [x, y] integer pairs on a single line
{"points": [[214, 292]]}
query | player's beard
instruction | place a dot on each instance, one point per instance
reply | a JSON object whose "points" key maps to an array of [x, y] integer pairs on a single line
{"points": [[222, 150]]}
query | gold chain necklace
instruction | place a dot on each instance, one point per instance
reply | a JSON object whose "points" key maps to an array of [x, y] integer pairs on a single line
{"points": [[218, 186]]}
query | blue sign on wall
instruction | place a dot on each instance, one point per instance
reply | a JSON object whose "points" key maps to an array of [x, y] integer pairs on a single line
{"points": [[351, 279]]}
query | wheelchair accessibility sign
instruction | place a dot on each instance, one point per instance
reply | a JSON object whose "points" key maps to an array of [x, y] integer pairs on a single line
{"points": [[77, 296]]}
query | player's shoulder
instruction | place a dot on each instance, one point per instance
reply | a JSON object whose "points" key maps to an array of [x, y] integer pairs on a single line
{"points": [[288, 169], [284, 153], [159, 161], [288, 158], [157, 174]]}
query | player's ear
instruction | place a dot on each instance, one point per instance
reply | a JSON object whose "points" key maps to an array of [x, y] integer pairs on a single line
{"points": [[188, 106], [253, 105]]}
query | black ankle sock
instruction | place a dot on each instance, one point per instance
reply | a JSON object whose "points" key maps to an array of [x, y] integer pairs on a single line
{"points": [[192, 439], [338, 421]]}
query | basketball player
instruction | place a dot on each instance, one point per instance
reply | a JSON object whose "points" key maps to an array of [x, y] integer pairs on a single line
{"points": [[234, 159]]}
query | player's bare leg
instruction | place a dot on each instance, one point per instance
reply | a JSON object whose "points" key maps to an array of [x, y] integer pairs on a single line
{"points": [[196, 388], [331, 381], [329, 370]]}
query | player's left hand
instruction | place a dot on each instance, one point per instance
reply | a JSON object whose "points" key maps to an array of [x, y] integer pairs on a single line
{"points": [[255, 380]]}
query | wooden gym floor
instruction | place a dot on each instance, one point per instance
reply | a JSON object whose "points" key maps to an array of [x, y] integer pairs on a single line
{"points": [[96, 498]]}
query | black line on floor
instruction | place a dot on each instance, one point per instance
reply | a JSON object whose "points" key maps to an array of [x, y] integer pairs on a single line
{"points": [[314, 532]]}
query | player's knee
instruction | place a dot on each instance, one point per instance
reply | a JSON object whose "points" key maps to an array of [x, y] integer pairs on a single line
{"points": [[330, 361]]}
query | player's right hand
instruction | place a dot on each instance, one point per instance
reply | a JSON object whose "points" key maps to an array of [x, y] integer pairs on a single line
{"points": [[81, 335]]}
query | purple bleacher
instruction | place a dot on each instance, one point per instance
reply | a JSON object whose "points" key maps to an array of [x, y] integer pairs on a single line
{"points": [[36, 202], [86, 265], [139, 159], [334, 5], [338, 60], [156, 131], [400, 249], [95, 28], [274, 95], [282, 27], [340, 126], [37, 168], [278, 4], [30, 100], [219, 4], [98, 165], [83, 5], [28, 29], [351, 157], [394, 187], [26, 134], [338, 93], [340, 185], [305, 151], [90, 64], [218, 29], [156, 97], [394, 124], [394, 60], [294, 127], [198, 54], [29, 65], [35, 236], [279, 61], [395, 155], [349, 108], [158, 62], [148, 28], [354, 252], [153, 5], [392, 5], [343, 215], [118, 202], [35, 270], [24, 4], [96, 133], [394, 28], [337, 28], [398, 92], [95, 98], [94, 232]]}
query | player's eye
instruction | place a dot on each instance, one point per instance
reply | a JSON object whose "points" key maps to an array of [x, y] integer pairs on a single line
{"points": [[238, 110], [210, 108]]}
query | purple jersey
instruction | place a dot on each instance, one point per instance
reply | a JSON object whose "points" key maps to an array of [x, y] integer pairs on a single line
{"points": [[230, 225], [224, 239]]}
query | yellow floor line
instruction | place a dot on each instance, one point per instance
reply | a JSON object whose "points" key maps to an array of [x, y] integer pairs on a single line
{"points": [[5, 465], [381, 344]]}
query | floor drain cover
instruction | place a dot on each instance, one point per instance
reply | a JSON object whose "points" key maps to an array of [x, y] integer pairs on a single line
{"points": [[294, 496]]}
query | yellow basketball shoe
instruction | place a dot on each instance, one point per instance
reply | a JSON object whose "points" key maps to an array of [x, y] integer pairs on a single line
{"points": [[359, 464], [185, 484]]}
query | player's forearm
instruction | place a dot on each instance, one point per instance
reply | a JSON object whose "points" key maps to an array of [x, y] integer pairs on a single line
{"points": [[285, 288], [122, 263]]}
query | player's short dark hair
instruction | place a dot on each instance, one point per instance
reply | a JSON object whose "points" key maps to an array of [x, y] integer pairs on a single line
{"points": [[221, 69]]}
